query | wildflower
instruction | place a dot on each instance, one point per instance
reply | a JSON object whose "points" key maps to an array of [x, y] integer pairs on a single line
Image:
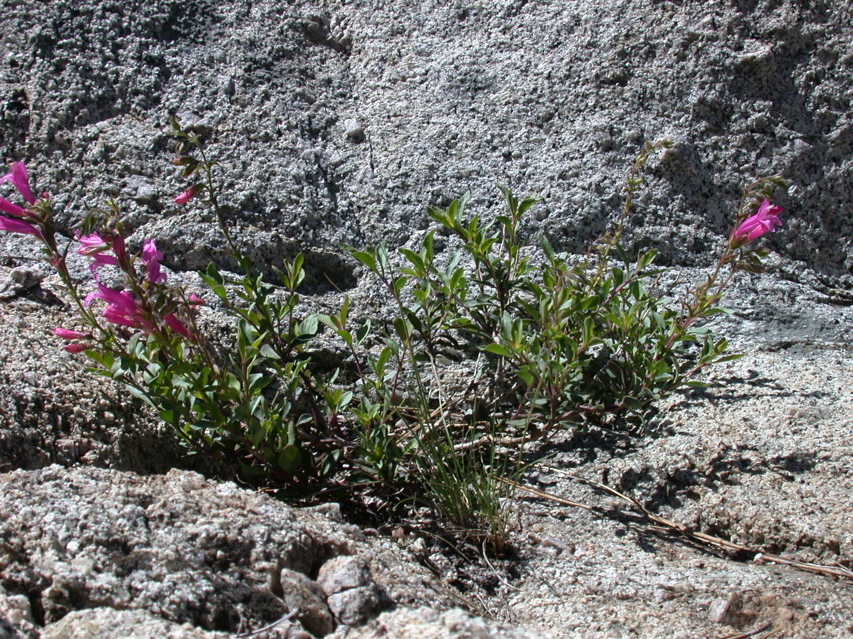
{"points": [[753, 227], [122, 308], [18, 176], [66, 333], [176, 325], [151, 258], [12, 209], [187, 195], [195, 300], [76, 347], [95, 246], [18, 226]]}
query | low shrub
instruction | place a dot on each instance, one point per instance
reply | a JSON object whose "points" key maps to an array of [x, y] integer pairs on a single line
{"points": [[494, 343]]}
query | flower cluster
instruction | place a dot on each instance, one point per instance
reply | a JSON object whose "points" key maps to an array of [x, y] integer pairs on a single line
{"points": [[23, 220], [105, 248], [125, 308]]}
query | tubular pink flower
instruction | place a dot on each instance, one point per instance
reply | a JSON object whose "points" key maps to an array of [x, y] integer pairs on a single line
{"points": [[12, 209], [18, 226], [110, 296], [187, 195], [100, 258], [76, 348], [93, 240], [175, 324], [66, 333], [765, 220], [91, 244], [118, 247], [96, 246], [151, 258], [121, 309], [18, 176], [118, 315], [195, 300]]}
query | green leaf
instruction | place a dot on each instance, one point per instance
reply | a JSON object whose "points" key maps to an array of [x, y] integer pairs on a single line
{"points": [[498, 349], [329, 462], [269, 352], [289, 459], [362, 332], [145, 398], [214, 275], [309, 326], [399, 284], [403, 329]]}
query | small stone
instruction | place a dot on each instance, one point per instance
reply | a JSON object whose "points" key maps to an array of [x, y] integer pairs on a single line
{"points": [[299, 592], [354, 130], [343, 573], [355, 606], [6, 630]]}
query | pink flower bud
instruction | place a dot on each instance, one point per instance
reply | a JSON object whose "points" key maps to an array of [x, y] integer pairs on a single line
{"points": [[18, 226], [187, 195], [12, 209], [76, 347], [175, 324], [66, 333], [151, 258]]}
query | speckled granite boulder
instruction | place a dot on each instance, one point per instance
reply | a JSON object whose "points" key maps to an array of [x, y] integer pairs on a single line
{"points": [[183, 548]]}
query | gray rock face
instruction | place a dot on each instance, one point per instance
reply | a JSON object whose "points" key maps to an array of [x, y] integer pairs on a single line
{"points": [[180, 547], [427, 623], [341, 121], [107, 623]]}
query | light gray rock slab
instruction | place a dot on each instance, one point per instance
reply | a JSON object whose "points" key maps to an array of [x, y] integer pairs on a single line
{"points": [[107, 623], [428, 623], [183, 548]]}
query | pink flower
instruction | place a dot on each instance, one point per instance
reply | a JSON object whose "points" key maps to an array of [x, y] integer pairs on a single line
{"points": [[18, 176], [66, 333], [195, 300], [12, 209], [76, 347], [94, 246], [151, 258], [18, 226], [175, 324], [91, 243], [187, 195], [121, 309], [753, 227]]}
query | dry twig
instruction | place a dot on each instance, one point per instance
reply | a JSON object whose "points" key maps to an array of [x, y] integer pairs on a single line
{"points": [[752, 633], [290, 615], [684, 531]]}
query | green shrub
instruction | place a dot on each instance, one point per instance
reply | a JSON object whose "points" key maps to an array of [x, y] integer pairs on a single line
{"points": [[493, 344]]}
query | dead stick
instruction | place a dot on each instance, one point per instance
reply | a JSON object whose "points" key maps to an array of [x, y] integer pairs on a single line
{"points": [[290, 615], [702, 537]]}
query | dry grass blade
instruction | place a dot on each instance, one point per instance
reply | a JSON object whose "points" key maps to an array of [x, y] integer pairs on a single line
{"points": [[290, 615], [544, 495], [494, 570], [752, 633], [684, 531]]}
